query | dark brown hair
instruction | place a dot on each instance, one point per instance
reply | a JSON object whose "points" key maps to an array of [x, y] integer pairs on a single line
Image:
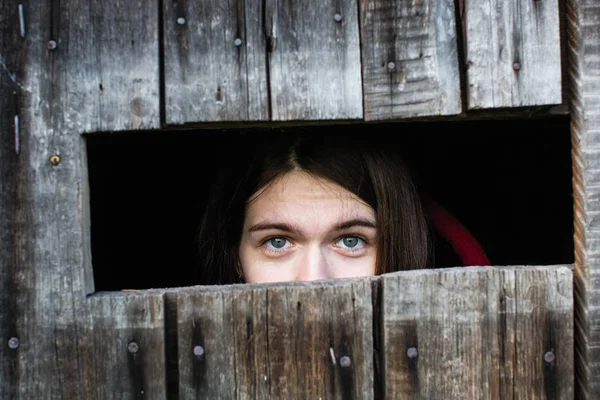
{"points": [[366, 169]]}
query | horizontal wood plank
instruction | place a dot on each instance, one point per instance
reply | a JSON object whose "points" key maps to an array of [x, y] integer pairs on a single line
{"points": [[409, 59], [478, 333], [512, 53]]}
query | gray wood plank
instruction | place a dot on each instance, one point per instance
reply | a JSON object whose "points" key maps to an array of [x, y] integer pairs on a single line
{"points": [[126, 338], [276, 341], [215, 61], [57, 95], [512, 53], [583, 32], [409, 59], [314, 62], [478, 333]]}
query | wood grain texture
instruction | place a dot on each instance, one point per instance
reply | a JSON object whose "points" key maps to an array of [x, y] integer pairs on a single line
{"points": [[583, 32], [314, 62], [127, 341], [102, 75], [215, 61], [478, 333], [512, 53], [409, 59], [276, 341]]}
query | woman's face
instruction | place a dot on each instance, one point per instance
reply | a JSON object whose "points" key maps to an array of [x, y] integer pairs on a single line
{"points": [[302, 227]]}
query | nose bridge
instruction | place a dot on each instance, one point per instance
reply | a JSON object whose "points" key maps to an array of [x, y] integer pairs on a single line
{"points": [[313, 265]]}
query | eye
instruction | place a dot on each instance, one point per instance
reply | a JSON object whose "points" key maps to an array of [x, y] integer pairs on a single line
{"points": [[350, 242], [277, 243]]}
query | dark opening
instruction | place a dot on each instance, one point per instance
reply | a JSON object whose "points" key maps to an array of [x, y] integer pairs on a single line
{"points": [[507, 181]]}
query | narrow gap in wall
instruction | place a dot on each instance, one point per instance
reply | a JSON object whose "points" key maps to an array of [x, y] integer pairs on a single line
{"points": [[507, 181]]}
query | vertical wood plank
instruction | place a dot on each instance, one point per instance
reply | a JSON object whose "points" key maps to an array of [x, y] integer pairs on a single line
{"points": [[77, 67], [478, 333], [409, 59], [583, 32], [127, 338], [215, 61], [512, 53], [274, 341], [314, 62]]}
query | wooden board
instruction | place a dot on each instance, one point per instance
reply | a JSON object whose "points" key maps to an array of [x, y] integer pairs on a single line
{"points": [[215, 61], [314, 62], [276, 341], [583, 30], [102, 74], [478, 333], [126, 342], [409, 58], [512, 53]]}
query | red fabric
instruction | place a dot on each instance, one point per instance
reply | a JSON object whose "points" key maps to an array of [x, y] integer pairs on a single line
{"points": [[461, 240]]}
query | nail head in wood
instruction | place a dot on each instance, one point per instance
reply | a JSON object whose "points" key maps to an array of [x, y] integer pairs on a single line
{"points": [[55, 160], [516, 66], [133, 347], [549, 357], [51, 45], [198, 351], [181, 21], [13, 343], [345, 361], [237, 42], [391, 65], [337, 17], [412, 352]]}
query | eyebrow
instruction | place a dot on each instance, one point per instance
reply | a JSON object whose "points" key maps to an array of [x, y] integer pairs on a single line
{"points": [[263, 226]]}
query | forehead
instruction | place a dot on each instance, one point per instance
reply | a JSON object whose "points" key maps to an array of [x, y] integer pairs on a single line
{"points": [[298, 196]]}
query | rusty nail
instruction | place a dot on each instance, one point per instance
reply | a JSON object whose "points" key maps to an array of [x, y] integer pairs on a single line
{"points": [[337, 17], [549, 357], [51, 45], [237, 42], [55, 160], [133, 347], [181, 21], [411, 352], [516, 66], [345, 361], [391, 65], [13, 343], [198, 350]]}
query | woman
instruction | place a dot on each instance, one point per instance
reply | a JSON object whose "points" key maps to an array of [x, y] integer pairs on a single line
{"points": [[309, 207]]}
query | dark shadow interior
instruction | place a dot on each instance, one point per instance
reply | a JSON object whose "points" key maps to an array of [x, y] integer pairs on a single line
{"points": [[507, 181]]}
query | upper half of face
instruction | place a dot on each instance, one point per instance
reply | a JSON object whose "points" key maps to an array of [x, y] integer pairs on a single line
{"points": [[303, 227]]}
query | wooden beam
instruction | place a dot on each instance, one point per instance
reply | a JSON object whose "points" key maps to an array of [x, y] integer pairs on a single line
{"points": [[314, 60], [478, 333], [276, 341], [409, 59], [583, 32], [512, 53], [215, 61]]}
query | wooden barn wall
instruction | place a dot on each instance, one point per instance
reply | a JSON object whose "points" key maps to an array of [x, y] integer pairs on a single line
{"points": [[74, 67], [584, 70]]}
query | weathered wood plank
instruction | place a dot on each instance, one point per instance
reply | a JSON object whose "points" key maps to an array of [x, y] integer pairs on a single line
{"points": [[78, 67], [277, 341], [314, 62], [583, 32], [478, 333], [215, 61], [127, 341], [512, 53], [409, 59]]}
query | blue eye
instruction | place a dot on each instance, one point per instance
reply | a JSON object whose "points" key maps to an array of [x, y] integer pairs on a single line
{"points": [[277, 242], [350, 242]]}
